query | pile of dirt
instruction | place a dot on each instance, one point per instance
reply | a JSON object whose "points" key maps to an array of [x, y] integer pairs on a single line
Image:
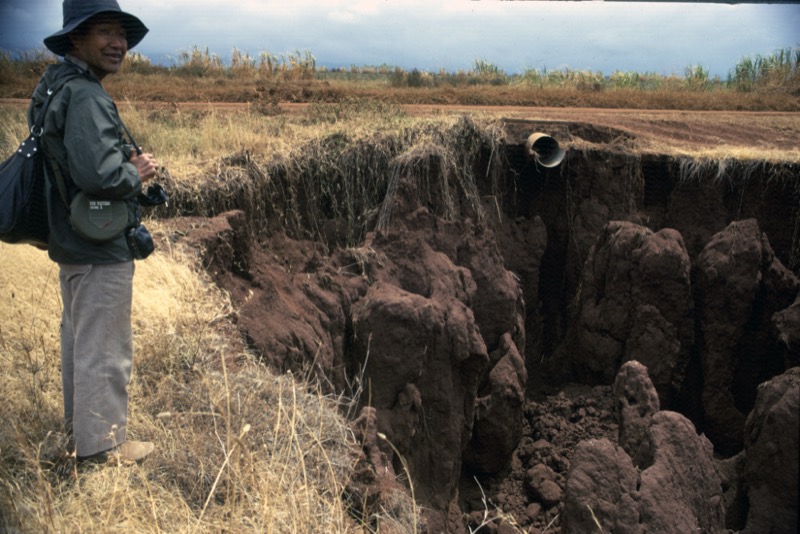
{"points": [[483, 341], [528, 493]]}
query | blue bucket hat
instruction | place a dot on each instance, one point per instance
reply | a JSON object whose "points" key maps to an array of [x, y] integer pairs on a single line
{"points": [[76, 12]]}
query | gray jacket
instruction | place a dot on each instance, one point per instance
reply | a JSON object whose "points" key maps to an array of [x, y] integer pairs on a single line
{"points": [[83, 136]]}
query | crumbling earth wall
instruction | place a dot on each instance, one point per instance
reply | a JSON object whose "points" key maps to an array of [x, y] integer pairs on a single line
{"points": [[452, 329]]}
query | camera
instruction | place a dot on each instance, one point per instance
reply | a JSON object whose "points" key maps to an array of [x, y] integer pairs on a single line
{"points": [[140, 242], [154, 196]]}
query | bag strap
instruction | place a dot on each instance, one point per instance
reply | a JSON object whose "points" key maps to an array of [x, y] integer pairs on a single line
{"points": [[52, 166], [128, 133], [37, 129], [55, 170]]}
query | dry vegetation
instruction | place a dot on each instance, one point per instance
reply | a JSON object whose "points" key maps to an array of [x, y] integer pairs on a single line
{"points": [[239, 449], [756, 83]]}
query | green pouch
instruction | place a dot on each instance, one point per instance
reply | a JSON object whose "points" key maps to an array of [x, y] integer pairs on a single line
{"points": [[97, 220]]}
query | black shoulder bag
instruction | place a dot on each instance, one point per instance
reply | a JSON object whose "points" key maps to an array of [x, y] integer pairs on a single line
{"points": [[23, 205]]}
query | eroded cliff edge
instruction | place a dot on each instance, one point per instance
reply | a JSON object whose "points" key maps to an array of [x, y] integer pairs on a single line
{"points": [[455, 287]]}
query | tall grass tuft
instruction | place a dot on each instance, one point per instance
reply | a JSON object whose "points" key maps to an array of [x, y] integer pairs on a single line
{"points": [[779, 70]]}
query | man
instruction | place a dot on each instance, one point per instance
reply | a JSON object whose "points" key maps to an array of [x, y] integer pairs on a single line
{"points": [[83, 142]]}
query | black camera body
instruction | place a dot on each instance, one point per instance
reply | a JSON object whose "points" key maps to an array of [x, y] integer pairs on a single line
{"points": [[154, 196], [140, 242]]}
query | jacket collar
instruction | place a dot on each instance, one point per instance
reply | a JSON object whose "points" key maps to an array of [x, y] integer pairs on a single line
{"points": [[82, 65]]}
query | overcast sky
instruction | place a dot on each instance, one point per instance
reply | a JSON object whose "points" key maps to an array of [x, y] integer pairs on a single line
{"points": [[428, 34]]}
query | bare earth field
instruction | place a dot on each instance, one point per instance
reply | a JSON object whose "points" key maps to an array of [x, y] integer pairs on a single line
{"points": [[773, 135], [693, 131]]}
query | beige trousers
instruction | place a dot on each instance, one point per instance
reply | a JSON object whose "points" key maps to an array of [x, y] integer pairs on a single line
{"points": [[96, 353]]}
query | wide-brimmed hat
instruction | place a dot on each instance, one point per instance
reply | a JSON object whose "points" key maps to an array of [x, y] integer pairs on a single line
{"points": [[76, 12]]}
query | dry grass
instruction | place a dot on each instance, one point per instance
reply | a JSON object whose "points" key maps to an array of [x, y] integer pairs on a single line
{"points": [[172, 89], [189, 140], [236, 451], [761, 84]]}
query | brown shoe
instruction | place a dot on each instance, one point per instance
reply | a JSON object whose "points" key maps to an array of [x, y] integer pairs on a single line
{"points": [[132, 451], [127, 453]]}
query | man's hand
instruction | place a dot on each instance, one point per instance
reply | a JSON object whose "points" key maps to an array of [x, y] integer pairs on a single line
{"points": [[145, 164]]}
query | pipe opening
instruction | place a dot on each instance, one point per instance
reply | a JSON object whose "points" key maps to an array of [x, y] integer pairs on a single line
{"points": [[544, 150]]}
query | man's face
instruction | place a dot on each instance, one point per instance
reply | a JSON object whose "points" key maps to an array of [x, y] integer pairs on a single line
{"points": [[102, 45]]}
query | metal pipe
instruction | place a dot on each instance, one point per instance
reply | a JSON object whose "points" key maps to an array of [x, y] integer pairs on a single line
{"points": [[544, 150]]}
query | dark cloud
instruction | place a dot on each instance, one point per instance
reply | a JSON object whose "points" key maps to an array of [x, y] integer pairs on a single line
{"points": [[643, 37]]}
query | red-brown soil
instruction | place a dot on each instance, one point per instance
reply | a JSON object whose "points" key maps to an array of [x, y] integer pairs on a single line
{"points": [[663, 130], [485, 348]]}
